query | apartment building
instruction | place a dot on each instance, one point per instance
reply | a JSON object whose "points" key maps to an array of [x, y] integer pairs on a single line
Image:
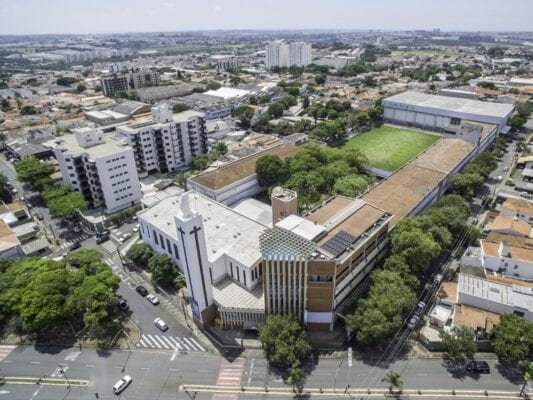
{"points": [[131, 80], [165, 142], [100, 167], [508, 255], [115, 83], [281, 54]]}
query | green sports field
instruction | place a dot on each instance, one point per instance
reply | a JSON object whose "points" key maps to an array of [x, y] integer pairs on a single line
{"points": [[388, 147]]}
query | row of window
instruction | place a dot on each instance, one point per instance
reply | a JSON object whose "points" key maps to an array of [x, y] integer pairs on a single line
{"points": [[116, 159], [161, 243], [119, 174], [121, 190], [124, 197], [121, 182], [256, 272]]}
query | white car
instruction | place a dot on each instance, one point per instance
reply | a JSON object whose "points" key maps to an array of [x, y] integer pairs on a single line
{"points": [[152, 299], [136, 228], [122, 384], [160, 324]]}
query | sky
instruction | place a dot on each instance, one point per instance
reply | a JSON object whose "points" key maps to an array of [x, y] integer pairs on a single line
{"points": [[116, 16]]}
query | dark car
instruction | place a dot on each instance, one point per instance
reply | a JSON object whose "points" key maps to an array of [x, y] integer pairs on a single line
{"points": [[141, 290], [123, 305], [74, 246], [102, 238], [480, 367]]}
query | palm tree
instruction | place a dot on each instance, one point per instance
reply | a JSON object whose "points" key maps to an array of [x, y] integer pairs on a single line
{"points": [[528, 376], [393, 378]]}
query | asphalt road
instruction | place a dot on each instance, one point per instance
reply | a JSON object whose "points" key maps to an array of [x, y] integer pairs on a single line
{"points": [[157, 373]]}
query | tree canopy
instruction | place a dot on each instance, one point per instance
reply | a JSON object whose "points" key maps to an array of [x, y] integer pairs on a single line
{"points": [[140, 254], [45, 294], [35, 172], [459, 342], [513, 339], [284, 340], [179, 107], [245, 114], [163, 270]]}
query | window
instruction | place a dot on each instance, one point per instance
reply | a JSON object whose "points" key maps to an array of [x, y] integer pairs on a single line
{"points": [[155, 237], [455, 121], [168, 247], [244, 276], [176, 251], [162, 241], [231, 269], [238, 277]]}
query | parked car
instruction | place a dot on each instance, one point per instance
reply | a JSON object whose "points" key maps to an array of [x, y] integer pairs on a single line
{"points": [[136, 228], [413, 321], [123, 305], [160, 324], [152, 299], [525, 195], [122, 384], [420, 307], [141, 290], [437, 279], [124, 237], [102, 239], [479, 367]]}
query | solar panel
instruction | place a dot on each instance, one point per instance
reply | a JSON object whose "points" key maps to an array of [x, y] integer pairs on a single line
{"points": [[339, 243]]}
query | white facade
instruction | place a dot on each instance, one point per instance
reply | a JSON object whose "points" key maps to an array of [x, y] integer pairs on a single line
{"points": [[494, 296], [102, 170], [508, 260], [167, 142], [280, 54], [215, 247], [435, 113]]}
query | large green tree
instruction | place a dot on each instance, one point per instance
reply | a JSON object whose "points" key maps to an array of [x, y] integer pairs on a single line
{"points": [[350, 185], [179, 107], [68, 205], [163, 270], [35, 172], [270, 170], [245, 114], [459, 343], [283, 339], [513, 339], [416, 247]]}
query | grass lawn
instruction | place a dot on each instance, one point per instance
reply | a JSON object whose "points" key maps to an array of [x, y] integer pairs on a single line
{"points": [[389, 147]]}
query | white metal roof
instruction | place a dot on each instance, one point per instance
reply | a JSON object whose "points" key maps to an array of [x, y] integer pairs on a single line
{"points": [[456, 104], [301, 226]]}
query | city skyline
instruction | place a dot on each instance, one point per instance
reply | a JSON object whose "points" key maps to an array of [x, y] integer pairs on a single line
{"points": [[120, 16]]}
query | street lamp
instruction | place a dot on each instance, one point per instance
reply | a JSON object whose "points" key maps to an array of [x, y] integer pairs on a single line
{"points": [[62, 370]]}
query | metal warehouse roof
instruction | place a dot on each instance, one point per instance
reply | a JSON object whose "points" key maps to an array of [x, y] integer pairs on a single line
{"points": [[456, 104]]}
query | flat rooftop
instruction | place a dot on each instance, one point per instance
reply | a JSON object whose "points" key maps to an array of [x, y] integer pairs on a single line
{"points": [[456, 104], [444, 155], [7, 238], [240, 169], [226, 231], [110, 146], [403, 190]]}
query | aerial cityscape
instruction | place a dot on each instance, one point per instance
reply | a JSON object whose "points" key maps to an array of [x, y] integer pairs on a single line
{"points": [[276, 200]]}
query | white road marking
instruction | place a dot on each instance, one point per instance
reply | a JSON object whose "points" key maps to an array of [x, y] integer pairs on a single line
{"points": [[35, 362], [177, 345], [174, 354], [152, 339], [250, 371], [89, 365], [197, 344], [168, 341], [72, 355], [161, 341]]}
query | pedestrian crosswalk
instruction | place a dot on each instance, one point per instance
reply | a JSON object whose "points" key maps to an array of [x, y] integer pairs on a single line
{"points": [[70, 242], [109, 246], [5, 350], [169, 343]]}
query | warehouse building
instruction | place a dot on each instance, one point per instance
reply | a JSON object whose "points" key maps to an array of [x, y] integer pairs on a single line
{"points": [[436, 113]]}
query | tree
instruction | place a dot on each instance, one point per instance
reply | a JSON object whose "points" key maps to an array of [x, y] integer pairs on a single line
{"points": [[513, 339], [5, 193], [296, 377], [221, 147], [305, 102], [213, 85], [516, 122], [270, 170], [66, 81], [466, 184], [199, 163], [381, 314], [179, 281], [235, 80], [140, 254], [459, 342], [283, 339], [320, 79], [350, 185], [393, 379], [179, 107], [163, 270], [276, 109], [528, 376], [67, 206], [5, 106], [417, 248], [28, 110], [329, 131], [245, 114], [81, 88], [34, 172], [397, 263]]}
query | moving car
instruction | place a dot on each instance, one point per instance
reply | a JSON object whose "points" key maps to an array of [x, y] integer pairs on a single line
{"points": [[141, 290], [160, 324], [480, 367], [102, 239], [122, 384], [74, 246], [152, 299]]}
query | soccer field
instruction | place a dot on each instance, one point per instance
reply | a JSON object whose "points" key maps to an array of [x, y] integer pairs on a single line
{"points": [[389, 147]]}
